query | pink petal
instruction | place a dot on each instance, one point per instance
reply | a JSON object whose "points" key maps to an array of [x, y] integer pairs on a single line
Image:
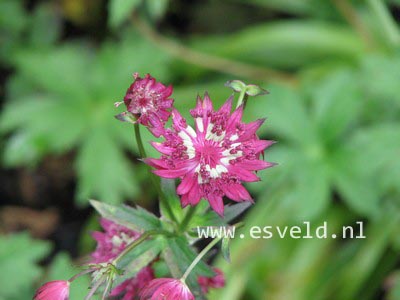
{"points": [[251, 129], [243, 174], [216, 203], [187, 182]]}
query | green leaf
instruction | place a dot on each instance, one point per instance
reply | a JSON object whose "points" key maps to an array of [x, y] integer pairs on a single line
{"points": [[286, 113], [19, 255], [137, 219], [310, 195], [287, 44], [225, 250], [394, 293], [179, 255], [337, 104], [104, 171], [356, 186], [140, 257], [120, 10], [45, 27]]}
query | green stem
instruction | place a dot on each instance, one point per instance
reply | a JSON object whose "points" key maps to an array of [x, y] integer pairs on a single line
{"points": [[199, 257], [386, 20], [139, 141], [187, 218], [132, 245], [79, 275], [242, 98], [155, 180], [138, 241]]}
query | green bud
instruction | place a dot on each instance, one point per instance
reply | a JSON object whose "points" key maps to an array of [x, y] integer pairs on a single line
{"points": [[255, 90], [126, 116], [236, 85]]}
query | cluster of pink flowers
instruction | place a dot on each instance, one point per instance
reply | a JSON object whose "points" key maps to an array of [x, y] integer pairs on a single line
{"points": [[212, 160], [110, 244]]}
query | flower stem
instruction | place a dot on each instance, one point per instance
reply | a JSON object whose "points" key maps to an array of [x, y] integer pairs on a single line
{"points": [[242, 98], [79, 275], [139, 141], [132, 245], [154, 179], [199, 257], [187, 218]]}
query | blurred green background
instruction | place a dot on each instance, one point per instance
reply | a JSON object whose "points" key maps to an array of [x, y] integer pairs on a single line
{"points": [[333, 72]]}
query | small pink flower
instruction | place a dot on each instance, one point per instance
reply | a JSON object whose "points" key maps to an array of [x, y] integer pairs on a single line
{"points": [[149, 101], [218, 281], [53, 290], [130, 288], [110, 244], [215, 158], [166, 289]]}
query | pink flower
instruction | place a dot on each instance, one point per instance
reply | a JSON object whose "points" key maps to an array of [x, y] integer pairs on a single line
{"points": [[214, 159], [166, 289], [109, 245], [130, 288], [149, 101], [111, 242], [218, 281], [53, 290]]}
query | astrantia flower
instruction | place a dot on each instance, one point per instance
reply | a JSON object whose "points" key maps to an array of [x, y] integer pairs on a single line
{"points": [[130, 288], [218, 281], [149, 101], [166, 289], [109, 245], [53, 290], [111, 242], [215, 158]]}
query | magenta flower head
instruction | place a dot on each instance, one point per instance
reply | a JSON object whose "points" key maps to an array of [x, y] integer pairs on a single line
{"points": [[218, 281], [53, 290], [112, 241], [166, 289], [110, 244], [149, 101], [215, 158]]}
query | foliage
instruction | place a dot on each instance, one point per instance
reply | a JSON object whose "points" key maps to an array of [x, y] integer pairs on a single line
{"points": [[19, 256], [333, 108], [53, 111]]}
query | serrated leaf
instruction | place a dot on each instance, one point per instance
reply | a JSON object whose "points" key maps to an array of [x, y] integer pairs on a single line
{"points": [[137, 219], [19, 257], [53, 111], [337, 104], [286, 115], [141, 256], [103, 170]]}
